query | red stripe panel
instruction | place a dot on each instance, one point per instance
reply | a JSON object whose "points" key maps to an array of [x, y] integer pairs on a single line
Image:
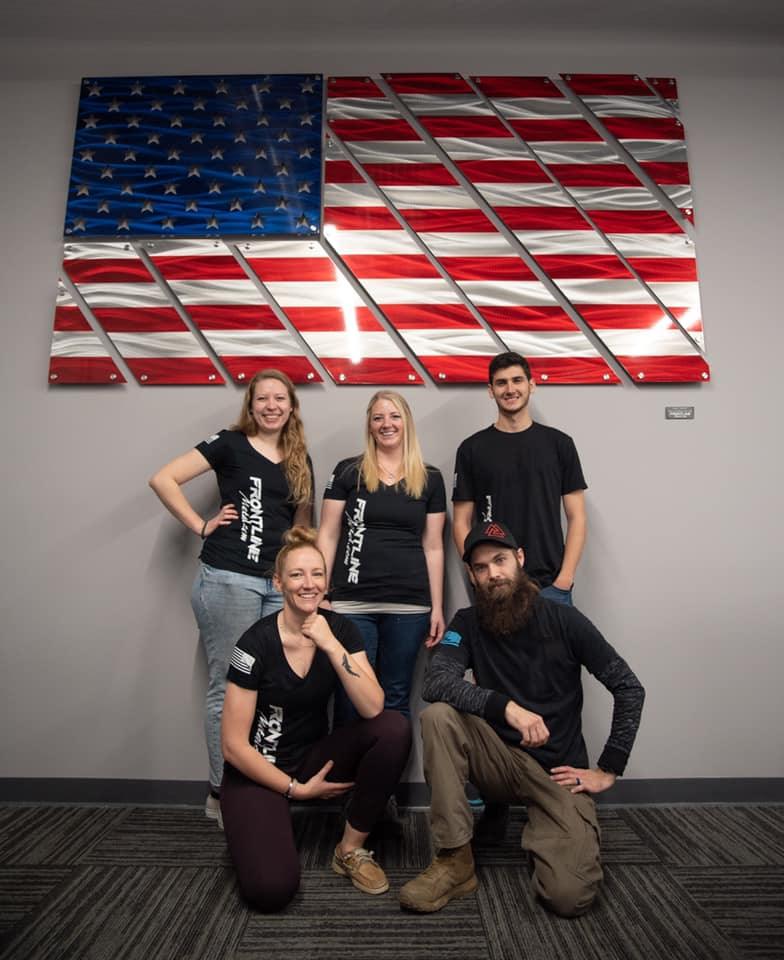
{"points": [[373, 129], [465, 369], [152, 371], [139, 319], [371, 370], [427, 83], [608, 316], [298, 368], [465, 127], [599, 84], [542, 218], [292, 268], [555, 130], [487, 268], [663, 269], [70, 318], [107, 271], [410, 174], [571, 370], [634, 221], [341, 171], [448, 221], [330, 319], [667, 172], [64, 370], [517, 86], [583, 266], [502, 171], [386, 267], [227, 316], [665, 86], [666, 369], [199, 267], [528, 319], [360, 218], [354, 87], [644, 128], [431, 316], [594, 175]]}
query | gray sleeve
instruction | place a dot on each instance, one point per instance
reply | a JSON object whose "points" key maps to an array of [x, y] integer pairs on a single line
{"points": [[628, 697], [445, 682]]}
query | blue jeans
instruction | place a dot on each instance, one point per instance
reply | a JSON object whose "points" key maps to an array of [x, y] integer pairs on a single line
{"points": [[392, 644], [557, 595], [225, 604]]}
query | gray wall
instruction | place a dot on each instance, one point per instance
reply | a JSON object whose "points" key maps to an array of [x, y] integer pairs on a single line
{"points": [[101, 673]]}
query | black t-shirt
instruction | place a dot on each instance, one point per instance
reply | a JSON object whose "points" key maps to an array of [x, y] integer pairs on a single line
{"points": [[519, 479], [291, 711], [259, 490], [379, 557]]}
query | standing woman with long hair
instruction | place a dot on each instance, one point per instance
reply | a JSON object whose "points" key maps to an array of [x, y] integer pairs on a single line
{"points": [[265, 480], [381, 533]]}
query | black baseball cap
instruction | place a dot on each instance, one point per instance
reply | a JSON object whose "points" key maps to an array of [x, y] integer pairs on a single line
{"points": [[491, 531]]}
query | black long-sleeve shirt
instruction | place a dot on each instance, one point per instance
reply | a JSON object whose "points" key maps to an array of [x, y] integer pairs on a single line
{"points": [[539, 668]]}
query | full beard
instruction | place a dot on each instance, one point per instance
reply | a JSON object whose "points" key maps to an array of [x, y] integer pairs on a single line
{"points": [[501, 611]]}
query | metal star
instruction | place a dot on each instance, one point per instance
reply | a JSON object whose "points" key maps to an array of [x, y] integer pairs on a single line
{"points": [[281, 170], [236, 204], [257, 221], [148, 206], [126, 188], [107, 173], [282, 204], [95, 90], [157, 105], [137, 89], [197, 138], [306, 152], [218, 121], [240, 138], [133, 122], [130, 155], [262, 121], [284, 104], [79, 224], [103, 207], [168, 223], [284, 137], [122, 224], [114, 106], [173, 155], [193, 172], [221, 87], [216, 153], [176, 121], [110, 138], [215, 187], [263, 87], [170, 188], [305, 186], [306, 120], [82, 190], [191, 206], [212, 223], [302, 221], [307, 87], [150, 172], [261, 153], [154, 138], [259, 187], [241, 105], [198, 103], [91, 122], [179, 87], [237, 170]]}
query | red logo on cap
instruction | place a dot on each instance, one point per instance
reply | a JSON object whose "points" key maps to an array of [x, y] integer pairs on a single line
{"points": [[493, 530]]}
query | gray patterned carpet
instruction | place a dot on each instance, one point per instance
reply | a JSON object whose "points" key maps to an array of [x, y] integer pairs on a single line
{"points": [[142, 883]]}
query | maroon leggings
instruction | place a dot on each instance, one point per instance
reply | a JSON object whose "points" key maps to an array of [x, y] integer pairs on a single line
{"points": [[257, 820]]}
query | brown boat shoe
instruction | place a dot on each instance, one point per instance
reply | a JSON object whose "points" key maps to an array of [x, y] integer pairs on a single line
{"points": [[362, 870]]}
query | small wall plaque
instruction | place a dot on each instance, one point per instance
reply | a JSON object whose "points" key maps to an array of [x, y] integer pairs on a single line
{"points": [[679, 413]]}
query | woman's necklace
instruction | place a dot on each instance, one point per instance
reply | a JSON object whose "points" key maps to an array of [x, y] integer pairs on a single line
{"points": [[390, 476]]}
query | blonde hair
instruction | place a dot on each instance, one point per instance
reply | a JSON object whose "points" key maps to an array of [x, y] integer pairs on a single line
{"points": [[414, 477], [292, 436], [294, 539]]}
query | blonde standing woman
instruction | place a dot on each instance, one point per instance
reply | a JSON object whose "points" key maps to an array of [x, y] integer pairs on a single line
{"points": [[265, 481], [381, 533]]}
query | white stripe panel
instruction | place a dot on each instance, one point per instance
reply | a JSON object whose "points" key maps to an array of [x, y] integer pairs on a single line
{"points": [[567, 242], [186, 248], [248, 343], [64, 298], [351, 195], [604, 106], [123, 295], [313, 293], [544, 194], [392, 151], [76, 343], [547, 343], [468, 244], [606, 291], [439, 342], [269, 249], [679, 193], [647, 343], [239, 292], [431, 197], [341, 344], [140, 345], [375, 242], [99, 251], [438, 105], [615, 198], [359, 108], [659, 151], [407, 290], [677, 294], [561, 151], [497, 148], [653, 245], [509, 293], [536, 108]]}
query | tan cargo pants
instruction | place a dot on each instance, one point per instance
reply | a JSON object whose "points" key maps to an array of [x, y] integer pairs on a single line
{"points": [[562, 833]]}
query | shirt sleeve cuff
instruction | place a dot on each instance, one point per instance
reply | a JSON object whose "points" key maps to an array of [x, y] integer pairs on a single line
{"points": [[613, 760]]}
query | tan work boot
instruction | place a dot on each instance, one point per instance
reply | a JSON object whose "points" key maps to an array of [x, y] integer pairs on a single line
{"points": [[362, 870], [450, 875]]}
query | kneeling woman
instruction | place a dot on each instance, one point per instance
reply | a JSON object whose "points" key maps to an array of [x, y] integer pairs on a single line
{"points": [[275, 735]]}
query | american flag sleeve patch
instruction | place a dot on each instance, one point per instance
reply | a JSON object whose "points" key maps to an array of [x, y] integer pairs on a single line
{"points": [[242, 661]]}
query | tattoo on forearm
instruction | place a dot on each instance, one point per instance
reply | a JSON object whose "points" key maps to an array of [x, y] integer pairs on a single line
{"points": [[347, 666]]}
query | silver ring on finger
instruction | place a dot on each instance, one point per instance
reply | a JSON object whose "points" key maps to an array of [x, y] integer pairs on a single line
{"points": [[577, 780]]}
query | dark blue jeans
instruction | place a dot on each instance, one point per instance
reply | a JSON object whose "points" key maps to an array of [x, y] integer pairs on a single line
{"points": [[557, 595], [392, 643]]}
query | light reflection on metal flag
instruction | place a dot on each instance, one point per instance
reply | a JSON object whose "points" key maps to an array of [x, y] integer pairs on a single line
{"points": [[77, 353]]}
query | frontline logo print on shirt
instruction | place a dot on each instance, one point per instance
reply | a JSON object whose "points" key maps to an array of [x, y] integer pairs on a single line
{"points": [[268, 732], [252, 519], [356, 537]]}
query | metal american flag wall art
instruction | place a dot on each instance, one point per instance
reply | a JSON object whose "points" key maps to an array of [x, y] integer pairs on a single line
{"points": [[378, 230]]}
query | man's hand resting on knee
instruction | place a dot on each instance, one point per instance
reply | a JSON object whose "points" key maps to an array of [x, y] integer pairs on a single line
{"points": [[532, 728], [577, 780]]}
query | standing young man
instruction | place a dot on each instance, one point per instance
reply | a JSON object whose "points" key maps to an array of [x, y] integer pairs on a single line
{"points": [[521, 472]]}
